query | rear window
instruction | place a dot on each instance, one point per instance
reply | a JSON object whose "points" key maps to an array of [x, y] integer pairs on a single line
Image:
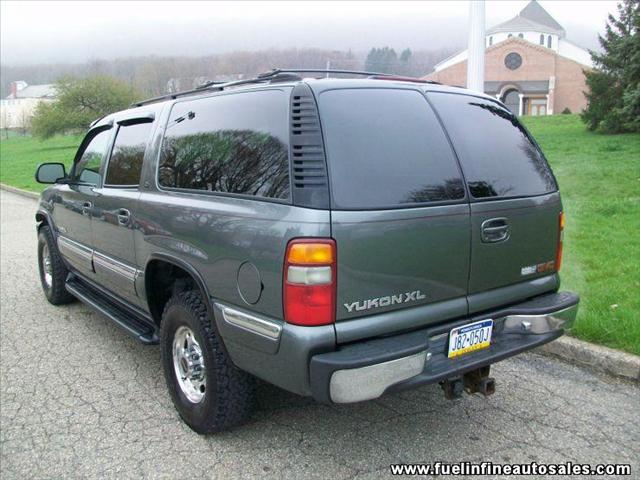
{"points": [[386, 149], [235, 143], [497, 155]]}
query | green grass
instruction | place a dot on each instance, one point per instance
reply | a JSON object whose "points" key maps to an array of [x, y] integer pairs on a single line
{"points": [[599, 178], [19, 157]]}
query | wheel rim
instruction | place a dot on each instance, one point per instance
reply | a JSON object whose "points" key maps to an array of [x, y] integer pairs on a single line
{"points": [[188, 364], [47, 268]]}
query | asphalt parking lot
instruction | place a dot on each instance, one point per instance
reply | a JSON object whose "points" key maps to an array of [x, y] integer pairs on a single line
{"points": [[80, 399]]}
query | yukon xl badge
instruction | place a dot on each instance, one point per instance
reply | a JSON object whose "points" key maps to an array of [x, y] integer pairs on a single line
{"points": [[385, 301]]}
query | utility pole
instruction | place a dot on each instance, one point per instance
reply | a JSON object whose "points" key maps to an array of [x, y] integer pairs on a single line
{"points": [[475, 61], [328, 67]]}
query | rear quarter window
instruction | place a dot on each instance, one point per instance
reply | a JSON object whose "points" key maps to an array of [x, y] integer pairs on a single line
{"points": [[235, 143], [497, 155], [386, 149]]}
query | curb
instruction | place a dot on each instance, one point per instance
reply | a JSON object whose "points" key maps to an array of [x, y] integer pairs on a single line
{"points": [[19, 191], [595, 357]]}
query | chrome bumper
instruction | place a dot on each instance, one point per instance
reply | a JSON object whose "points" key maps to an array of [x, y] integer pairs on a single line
{"points": [[371, 381], [540, 324]]}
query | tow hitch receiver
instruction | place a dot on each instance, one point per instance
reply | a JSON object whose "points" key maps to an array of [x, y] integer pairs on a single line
{"points": [[479, 381], [476, 381]]}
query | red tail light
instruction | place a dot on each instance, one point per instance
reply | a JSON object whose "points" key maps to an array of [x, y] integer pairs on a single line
{"points": [[560, 240], [309, 282]]}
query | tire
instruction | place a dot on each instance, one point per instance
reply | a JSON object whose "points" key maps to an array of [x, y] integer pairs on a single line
{"points": [[228, 393], [53, 272]]}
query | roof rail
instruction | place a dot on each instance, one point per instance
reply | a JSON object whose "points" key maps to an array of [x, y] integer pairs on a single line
{"points": [[275, 75], [272, 76]]}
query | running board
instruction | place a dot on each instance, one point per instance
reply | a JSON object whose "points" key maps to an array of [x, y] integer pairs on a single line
{"points": [[132, 323]]}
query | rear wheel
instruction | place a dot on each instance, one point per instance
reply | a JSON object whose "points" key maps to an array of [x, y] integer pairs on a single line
{"points": [[208, 391], [53, 272]]}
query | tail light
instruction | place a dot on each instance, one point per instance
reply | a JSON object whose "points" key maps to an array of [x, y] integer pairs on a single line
{"points": [[309, 285], [560, 240]]}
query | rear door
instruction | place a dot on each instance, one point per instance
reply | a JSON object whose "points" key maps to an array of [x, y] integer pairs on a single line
{"points": [[515, 205], [399, 213], [114, 209]]}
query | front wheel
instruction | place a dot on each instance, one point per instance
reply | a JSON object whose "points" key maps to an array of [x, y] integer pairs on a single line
{"points": [[209, 392], [53, 272]]}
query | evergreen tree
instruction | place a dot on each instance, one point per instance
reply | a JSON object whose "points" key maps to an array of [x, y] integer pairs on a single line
{"points": [[405, 58], [383, 60], [614, 84]]}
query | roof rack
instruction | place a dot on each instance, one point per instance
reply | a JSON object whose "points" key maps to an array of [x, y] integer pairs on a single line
{"points": [[273, 76]]}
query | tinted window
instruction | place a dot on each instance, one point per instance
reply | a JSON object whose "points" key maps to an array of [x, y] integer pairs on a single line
{"points": [[497, 156], [385, 148], [125, 163], [235, 143], [87, 169]]}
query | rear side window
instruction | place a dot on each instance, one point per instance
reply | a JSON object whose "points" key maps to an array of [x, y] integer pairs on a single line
{"points": [[127, 155], [236, 143], [497, 155], [386, 149]]}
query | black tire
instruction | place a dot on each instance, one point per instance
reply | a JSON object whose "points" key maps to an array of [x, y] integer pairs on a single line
{"points": [[229, 393], [54, 289]]}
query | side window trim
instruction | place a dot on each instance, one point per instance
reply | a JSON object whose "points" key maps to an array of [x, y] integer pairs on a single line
{"points": [[88, 138], [189, 191], [127, 122]]}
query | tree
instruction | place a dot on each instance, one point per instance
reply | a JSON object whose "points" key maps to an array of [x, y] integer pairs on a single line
{"points": [[80, 102], [614, 85], [383, 60], [404, 68]]}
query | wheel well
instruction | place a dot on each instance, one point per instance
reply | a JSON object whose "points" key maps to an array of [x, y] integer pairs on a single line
{"points": [[163, 280], [41, 220]]}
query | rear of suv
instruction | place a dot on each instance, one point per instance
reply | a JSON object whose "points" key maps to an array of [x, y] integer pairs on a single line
{"points": [[339, 238]]}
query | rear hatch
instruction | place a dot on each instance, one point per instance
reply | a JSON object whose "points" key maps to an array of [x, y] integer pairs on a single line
{"points": [[515, 205], [415, 247], [400, 214]]}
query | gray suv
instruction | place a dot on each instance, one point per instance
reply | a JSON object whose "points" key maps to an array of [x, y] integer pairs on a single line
{"points": [[340, 238]]}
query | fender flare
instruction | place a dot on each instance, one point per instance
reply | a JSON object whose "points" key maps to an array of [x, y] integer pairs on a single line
{"points": [[193, 272]]}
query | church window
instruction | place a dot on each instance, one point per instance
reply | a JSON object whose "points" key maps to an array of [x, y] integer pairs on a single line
{"points": [[513, 61], [549, 41], [520, 35], [541, 39]]}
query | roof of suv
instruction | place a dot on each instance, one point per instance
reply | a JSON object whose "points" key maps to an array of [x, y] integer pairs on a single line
{"points": [[318, 85]]}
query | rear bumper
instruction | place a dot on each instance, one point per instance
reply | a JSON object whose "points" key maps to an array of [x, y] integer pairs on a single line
{"points": [[366, 370]]}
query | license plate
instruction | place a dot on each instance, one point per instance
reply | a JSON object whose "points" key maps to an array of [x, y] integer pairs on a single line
{"points": [[470, 337]]}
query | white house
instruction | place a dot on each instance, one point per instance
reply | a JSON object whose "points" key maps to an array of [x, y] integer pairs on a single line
{"points": [[17, 109]]}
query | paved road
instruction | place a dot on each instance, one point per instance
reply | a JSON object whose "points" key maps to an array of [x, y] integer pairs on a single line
{"points": [[81, 399]]}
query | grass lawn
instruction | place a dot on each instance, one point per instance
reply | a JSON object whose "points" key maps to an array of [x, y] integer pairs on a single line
{"points": [[599, 178], [19, 157]]}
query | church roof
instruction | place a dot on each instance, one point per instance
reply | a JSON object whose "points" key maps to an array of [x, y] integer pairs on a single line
{"points": [[531, 18]]}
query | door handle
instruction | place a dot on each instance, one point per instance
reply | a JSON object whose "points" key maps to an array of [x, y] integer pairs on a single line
{"points": [[123, 216], [495, 230], [86, 208]]}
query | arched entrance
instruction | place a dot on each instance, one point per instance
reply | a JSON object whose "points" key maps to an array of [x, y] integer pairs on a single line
{"points": [[511, 99]]}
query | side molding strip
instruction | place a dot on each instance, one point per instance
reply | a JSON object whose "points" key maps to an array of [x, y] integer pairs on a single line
{"points": [[69, 247], [115, 266], [250, 323]]}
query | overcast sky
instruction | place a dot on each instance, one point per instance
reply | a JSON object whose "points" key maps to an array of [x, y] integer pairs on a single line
{"points": [[37, 32]]}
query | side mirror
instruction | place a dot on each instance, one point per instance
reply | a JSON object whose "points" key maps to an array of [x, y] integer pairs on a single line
{"points": [[50, 172]]}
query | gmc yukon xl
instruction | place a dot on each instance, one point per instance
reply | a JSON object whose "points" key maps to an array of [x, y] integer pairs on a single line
{"points": [[341, 238]]}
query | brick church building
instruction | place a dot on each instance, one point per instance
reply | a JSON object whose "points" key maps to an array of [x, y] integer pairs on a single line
{"points": [[529, 65]]}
